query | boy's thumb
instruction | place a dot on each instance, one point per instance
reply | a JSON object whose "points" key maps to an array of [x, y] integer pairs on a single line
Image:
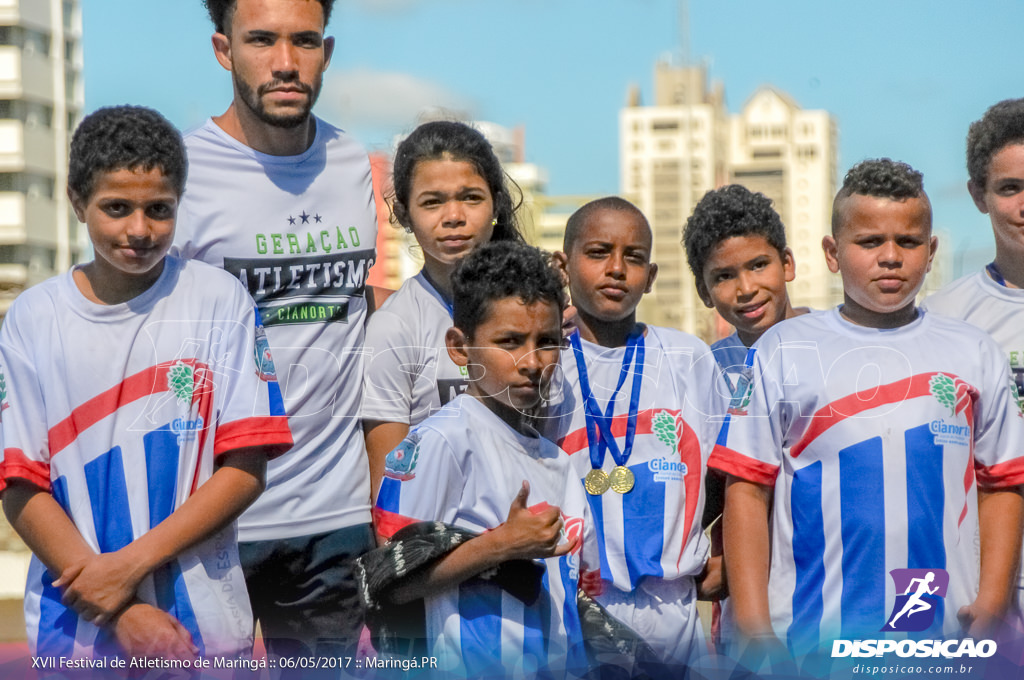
{"points": [[524, 493]]}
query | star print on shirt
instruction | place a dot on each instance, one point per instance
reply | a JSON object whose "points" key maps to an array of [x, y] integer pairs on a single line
{"points": [[305, 217], [318, 218], [291, 220]]}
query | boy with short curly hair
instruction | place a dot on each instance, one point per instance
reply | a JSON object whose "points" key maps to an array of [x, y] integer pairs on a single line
{"points": [[141, 409], [478, 464], [877, 441]]}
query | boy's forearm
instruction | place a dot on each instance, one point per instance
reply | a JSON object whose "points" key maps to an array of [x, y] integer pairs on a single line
{"points": [[45, 527], [469, 559], [232, 488], [1000, 521], [746, 553]]}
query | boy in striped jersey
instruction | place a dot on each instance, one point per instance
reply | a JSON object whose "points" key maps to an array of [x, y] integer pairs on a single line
{"points": [[141, 406], [877, 445], [634, 415], [479, 464]]}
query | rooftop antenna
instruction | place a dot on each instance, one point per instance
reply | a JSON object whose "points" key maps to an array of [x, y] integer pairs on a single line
{"points": [[684, 31]]}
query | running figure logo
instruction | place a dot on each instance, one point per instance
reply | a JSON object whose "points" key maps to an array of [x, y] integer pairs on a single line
{"points": [[919, 597]]}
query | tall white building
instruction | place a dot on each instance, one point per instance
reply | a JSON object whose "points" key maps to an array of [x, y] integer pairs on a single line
{"points": [[687, 143], [789, 155], [41, 101]]}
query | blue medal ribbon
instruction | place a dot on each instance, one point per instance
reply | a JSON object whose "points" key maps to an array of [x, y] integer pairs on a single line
{"points": [[599, 425]]}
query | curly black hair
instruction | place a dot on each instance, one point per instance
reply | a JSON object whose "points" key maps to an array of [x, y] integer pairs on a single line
{"points": [[499, 270], [724, 213], [446, 139], [125, 138], [578, 219], [1001, 126], [221, 10], [880, 177]]}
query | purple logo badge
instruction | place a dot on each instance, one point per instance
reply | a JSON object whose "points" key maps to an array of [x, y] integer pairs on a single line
{"points": [[918, 591]]}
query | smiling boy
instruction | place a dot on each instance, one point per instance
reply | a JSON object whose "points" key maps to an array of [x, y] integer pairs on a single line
{"points": [[142, 409], [736, 248], [993, 299], [877, 439], [478, 464]]}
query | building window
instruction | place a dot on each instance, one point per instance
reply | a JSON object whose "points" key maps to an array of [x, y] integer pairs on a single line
{"points": [[32, 114], [665, 125], [30, 184], [30, 41]]}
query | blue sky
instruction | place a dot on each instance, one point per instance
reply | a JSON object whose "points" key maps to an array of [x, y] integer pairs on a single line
{"points": [[904, 79]]}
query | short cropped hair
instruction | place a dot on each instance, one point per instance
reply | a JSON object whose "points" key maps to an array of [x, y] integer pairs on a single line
{"points": [[880, 177], [448, 139], [579, 219], [727, 212], [1001, 126], [221, 12], [500, 270], [125, 138]]}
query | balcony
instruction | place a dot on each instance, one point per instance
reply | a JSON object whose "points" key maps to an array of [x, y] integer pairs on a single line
{"points": [[31, 13], [27, 76], [25, 147], [25, 217]]}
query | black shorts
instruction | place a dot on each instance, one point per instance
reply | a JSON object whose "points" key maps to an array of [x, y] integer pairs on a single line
{"points": [[303, 591]]}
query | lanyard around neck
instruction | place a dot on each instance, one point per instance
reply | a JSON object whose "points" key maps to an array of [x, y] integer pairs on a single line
{"points": [[599, 425]]}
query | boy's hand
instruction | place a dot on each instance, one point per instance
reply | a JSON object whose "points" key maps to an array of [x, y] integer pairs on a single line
{"points": [[711, 584], [529, 534], [142, 630], [978, 622], [98, 587]]}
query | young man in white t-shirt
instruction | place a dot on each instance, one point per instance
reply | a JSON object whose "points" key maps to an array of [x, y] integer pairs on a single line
{"points": [[284, 202], [877, 444], [478, 464], [993, 299], [140, 408]]}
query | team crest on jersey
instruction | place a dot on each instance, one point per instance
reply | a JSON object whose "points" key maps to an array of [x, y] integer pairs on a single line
{"points": [[743, 392], [668, 427], [181, 382], [952, 393], [264, 360], [919, 591], [400, 464]]}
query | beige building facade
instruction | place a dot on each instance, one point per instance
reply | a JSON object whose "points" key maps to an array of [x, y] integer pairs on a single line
{"points": [[41, 101], [687, 143]]}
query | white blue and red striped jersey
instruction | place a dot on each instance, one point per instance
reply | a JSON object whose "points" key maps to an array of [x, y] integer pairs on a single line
{"points": [[120, 411], [464, 466], [731, 355], [875, 442], [654, 530]]}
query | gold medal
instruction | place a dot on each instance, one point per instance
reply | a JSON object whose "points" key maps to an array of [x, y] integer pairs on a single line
{"points": [[596, 482], [621, 479]]}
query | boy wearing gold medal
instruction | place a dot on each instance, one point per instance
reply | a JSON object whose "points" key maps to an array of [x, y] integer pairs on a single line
{"points": [[636, 412]]}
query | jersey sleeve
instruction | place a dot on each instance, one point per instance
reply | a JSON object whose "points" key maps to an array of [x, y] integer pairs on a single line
{"points": [[423, 481], [999, 424], [749, 445], [23, 431], [251, 406], [391, 370]]}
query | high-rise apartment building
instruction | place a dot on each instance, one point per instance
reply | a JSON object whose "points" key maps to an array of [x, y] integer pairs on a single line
{"points": [[790, 155], [41, 101], [687, 143]]}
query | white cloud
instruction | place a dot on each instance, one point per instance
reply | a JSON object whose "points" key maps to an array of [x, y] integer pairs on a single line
{"points": [[364, 97]]}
